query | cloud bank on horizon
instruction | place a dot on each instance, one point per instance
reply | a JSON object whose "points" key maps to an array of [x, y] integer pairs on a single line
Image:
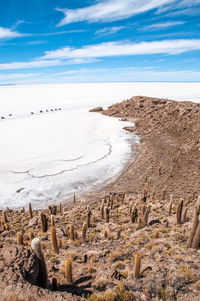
{"points": [[73, 41]]}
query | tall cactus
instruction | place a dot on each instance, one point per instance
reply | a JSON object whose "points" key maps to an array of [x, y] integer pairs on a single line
{"points": [[196, 239], [44, 223], [137, 265], [54, 239], [30, 210], [84, 230], [71, 232], [20, 239], [194, 224], [42, 274], [179, 211], [107, 215], [170, 204], [68, 271]]}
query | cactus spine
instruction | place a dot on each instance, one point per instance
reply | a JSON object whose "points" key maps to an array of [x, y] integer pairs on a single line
{"points": [[68, 271], [42, 274], [54, 239], [137, 265]]}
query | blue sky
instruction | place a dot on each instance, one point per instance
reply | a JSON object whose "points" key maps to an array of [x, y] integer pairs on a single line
{"points": [[49, 41]]}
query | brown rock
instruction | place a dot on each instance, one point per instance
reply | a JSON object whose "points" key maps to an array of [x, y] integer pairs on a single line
{"points": [[97, 109]]}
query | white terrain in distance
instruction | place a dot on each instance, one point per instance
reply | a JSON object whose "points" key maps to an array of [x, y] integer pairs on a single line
{"points": [[62, 148]]}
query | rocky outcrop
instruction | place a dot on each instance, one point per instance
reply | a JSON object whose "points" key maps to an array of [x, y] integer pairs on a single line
{"points": [[97, 109]]}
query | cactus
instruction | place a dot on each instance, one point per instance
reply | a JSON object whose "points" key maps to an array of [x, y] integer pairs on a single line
{"points": [[118, 234], [107, 214], [75, 234], [54, 239], [194, 227], [102, 211], [53, 209], [59, 243], [71, 232], [137, 265], [5, 220], [42, 274], [170, 204], [111, 202], [153, 193], [20, 240], [6, 227], [179, 211], [146, 215], [68, 271], [105, 234], [52, 220], [156, 234], [61, 209], [196, 239], [31, 235], [54, 284], [30, 210], [89, 213], [74, 198], [164, 193], [184, 216], [130, 208], [134, 214], [123, 196], [44, 224], [144, 208], [145, 193], [84, 230]]}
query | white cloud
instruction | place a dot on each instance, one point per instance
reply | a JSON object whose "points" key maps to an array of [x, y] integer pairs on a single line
{"points": [[163, 25], [31, 64], [91, 53], [7, 33], [38, 63], [123, 49], [9, 77], [109, 30], [111, 10]]}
